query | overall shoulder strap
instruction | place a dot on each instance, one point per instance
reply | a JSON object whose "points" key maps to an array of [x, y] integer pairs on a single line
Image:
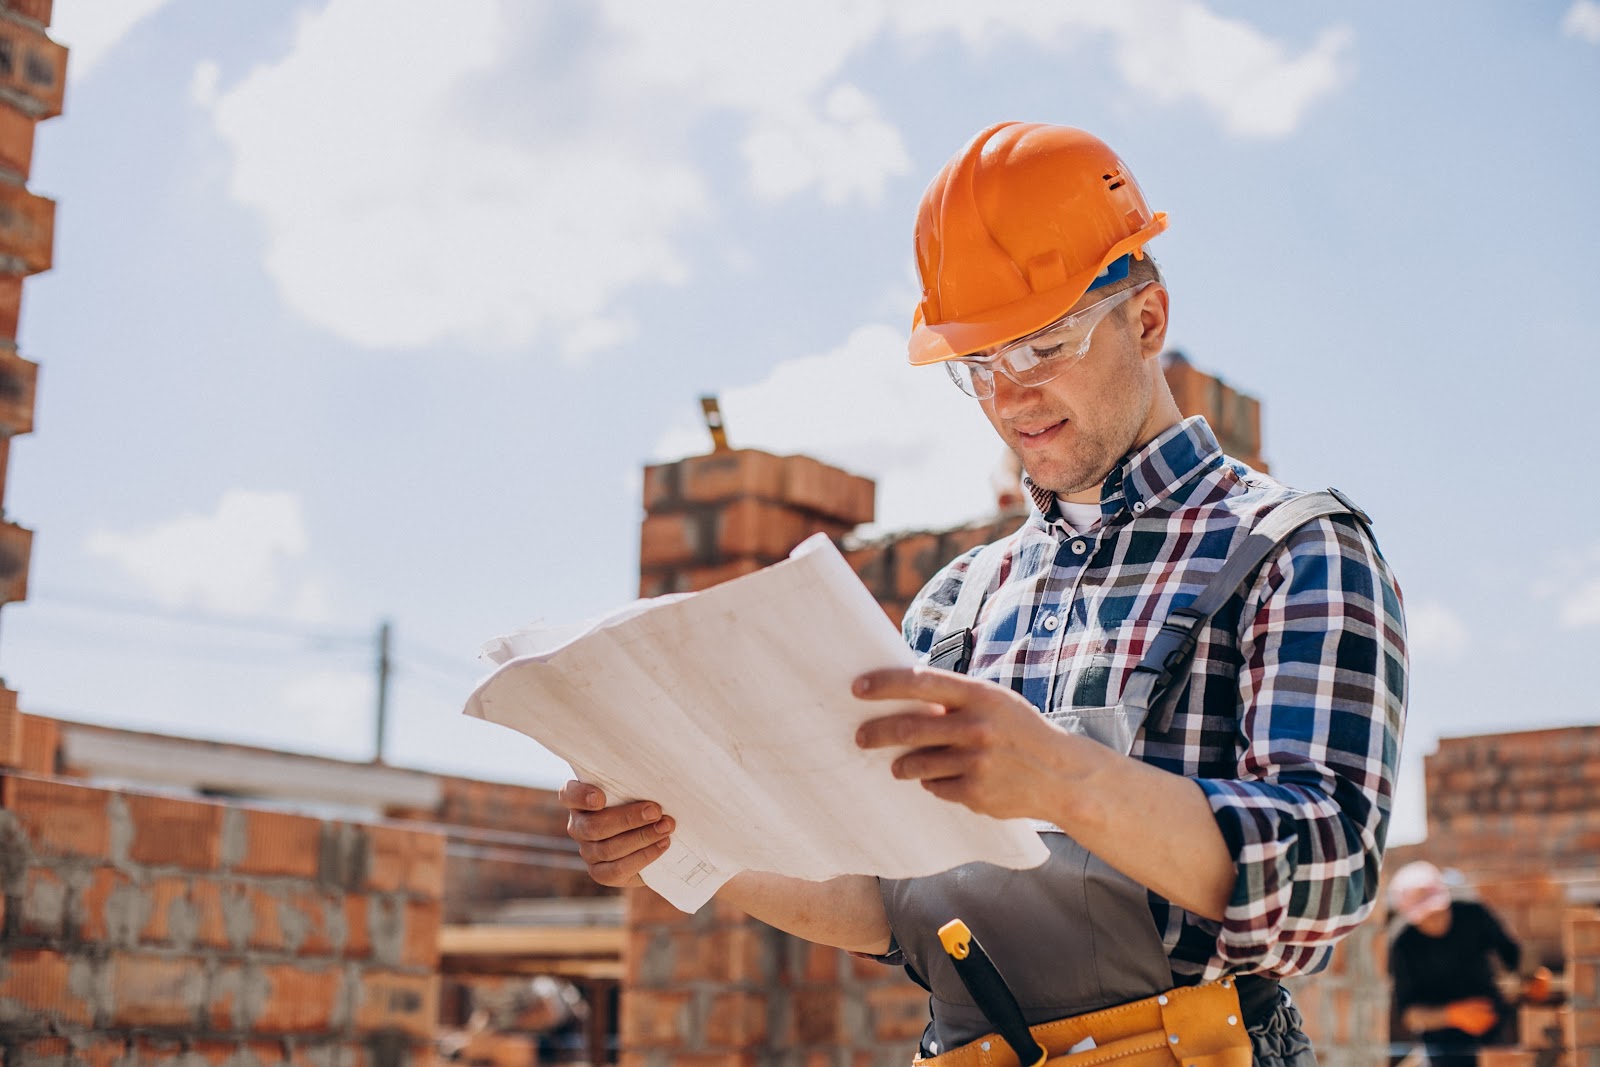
{"points": [[953, 643], [1154, 683]]}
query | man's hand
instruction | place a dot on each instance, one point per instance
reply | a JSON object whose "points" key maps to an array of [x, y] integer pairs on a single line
{"points": [[617, 843], [976, 743]]}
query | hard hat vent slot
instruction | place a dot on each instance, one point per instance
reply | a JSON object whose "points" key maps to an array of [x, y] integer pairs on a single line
{"points": [[1114, 180]]}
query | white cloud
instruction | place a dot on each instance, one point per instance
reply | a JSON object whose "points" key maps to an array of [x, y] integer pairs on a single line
{"points": [[93, 28], [1581, 606], [860, 407], [1433, 630], [501, 197], [231, 560], [1582, 21]]}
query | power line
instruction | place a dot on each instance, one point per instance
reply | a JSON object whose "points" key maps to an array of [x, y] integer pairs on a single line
{"points": [[260, 624]]}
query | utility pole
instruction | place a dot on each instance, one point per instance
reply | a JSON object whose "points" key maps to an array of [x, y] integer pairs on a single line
{"points": [[383, 686]]}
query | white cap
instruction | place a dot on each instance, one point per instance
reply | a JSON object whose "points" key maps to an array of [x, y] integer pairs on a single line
{"points": [[1417, 891]]}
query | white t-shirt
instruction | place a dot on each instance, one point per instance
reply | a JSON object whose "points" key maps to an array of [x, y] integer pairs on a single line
{"points": [[1081, 517]]}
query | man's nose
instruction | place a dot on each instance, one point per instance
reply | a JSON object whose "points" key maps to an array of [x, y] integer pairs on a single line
{"points": [[1011, 399]]}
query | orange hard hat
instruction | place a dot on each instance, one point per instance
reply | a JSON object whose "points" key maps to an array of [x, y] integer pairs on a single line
{"points": [[1014, 230]]}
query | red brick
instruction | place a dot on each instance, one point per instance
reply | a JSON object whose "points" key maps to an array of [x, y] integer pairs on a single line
{"points": [[898, 1012], [1538, 1027], [651, 1017], [731, 475], [37, 10], [10, 717], [755, 528], [60, 819], [36, 982], [206, 899], [27, 222], [645, 907], [812, 485], [41, 738], [38, 67], [280, 843], [717, 1059], [1581, 935], [916, 558], [357, 938], [1582, 983], [407, 859], [306, 913], [403, 1002], [169, 831], [1582, 1026], [422, 934], [16, 141], [300, 999], [694, 578], [16, 549], [665, 540], [816, 1016], [92, 920], [660, 486], [737, 1020], [266, 929], [1507, 1057], [155, 991]]}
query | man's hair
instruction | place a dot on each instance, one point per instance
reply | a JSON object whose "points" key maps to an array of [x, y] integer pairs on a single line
{"points": [[1140, 271]]}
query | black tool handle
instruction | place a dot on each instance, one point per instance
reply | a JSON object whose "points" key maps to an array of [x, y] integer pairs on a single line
{"points": [[989, 990]]}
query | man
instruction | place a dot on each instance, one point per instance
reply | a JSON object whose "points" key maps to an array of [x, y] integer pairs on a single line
{"points": [[1239, 833], [1445, 988]]}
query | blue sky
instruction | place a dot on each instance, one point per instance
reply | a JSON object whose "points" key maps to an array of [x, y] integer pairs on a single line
{"points": [[371, 309]]}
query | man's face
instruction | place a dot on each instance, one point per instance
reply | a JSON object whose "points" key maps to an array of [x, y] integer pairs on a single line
{"points": [[1070, 432]]}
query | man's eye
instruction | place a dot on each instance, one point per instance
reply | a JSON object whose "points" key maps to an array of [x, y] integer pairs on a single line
{"points": [[1044, 352]]}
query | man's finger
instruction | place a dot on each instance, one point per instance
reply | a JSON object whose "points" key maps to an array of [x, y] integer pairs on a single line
{"points": [[617, 846], [581, 796], [919, 730], [625, 871], [919, 683], [929, 764], [598, 825]]}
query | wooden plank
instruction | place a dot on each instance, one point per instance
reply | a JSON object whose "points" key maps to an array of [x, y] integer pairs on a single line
{"points": [[547, 941]]}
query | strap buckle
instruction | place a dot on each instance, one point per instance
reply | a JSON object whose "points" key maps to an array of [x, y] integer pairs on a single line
{"points": [[953, 652], [1173, 646]]}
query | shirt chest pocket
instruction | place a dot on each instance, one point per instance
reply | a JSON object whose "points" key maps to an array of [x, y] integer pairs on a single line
{"points": [[1109, 660]]}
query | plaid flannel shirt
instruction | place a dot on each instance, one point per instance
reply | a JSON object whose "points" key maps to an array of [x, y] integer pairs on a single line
{"points": [[1291, 716]]}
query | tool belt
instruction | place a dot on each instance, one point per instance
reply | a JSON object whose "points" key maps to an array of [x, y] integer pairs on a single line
{"points": [[1192, 1026]]}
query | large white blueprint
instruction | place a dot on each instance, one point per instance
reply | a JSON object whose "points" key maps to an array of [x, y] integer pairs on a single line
{"points": [[732, 708]]}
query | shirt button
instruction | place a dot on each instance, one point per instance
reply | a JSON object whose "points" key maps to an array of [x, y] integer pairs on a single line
{"points": [[1050, 622], [1138, 506], [1080, 546]]}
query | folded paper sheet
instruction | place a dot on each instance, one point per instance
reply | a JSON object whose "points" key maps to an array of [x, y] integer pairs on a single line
{"points": [[732, 708]]}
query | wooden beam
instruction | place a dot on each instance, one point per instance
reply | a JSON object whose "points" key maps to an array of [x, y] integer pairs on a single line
{"points": [[546, 941]]}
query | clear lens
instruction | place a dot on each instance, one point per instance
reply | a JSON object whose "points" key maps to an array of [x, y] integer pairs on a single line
{"points": [[974, 379], [1040, 357]]}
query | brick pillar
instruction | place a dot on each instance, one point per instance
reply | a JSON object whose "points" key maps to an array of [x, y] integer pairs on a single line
{"points": [[1581, 1017], [718, 989], [1234, 416], [32, 81], [714, 517]]}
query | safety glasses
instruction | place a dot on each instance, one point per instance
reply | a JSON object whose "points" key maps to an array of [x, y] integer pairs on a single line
{"points": [[1042, 356]]}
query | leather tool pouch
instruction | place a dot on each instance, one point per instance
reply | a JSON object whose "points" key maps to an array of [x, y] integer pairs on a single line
{"points": [[1193, 1026]]}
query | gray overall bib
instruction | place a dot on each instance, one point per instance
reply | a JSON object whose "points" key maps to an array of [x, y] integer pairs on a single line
{"points": [[1073, 935]]}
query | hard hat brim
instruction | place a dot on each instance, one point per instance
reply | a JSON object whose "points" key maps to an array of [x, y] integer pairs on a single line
{"points": [[953, 340]]}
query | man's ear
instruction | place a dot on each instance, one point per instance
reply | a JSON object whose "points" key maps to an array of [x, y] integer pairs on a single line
{"points": [[1152, 324]]}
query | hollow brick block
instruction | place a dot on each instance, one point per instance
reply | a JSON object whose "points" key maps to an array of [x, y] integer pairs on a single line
{"points": [[16, 140], [39, 986], [1581, 934], [300, 999], [37, 10], [168, 831], [59, 818], [736, 1020], [400, 1002], [670, 539], [27, 223], [155, 991], [731, 475], [32, 64], [1582, 1027], [40, 744], [16, 549], [654, 1018], [812, 485], [278, 843], [11, 733]]}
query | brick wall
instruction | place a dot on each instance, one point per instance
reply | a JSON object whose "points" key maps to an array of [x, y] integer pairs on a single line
{"points": [[32, 82], [142, 928]]}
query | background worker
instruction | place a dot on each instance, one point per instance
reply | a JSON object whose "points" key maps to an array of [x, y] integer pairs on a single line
{"points": [[1239, 834], [1443, 962]]}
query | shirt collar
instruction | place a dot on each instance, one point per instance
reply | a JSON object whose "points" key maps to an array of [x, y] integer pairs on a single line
{"points": [[1147, 475]]}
